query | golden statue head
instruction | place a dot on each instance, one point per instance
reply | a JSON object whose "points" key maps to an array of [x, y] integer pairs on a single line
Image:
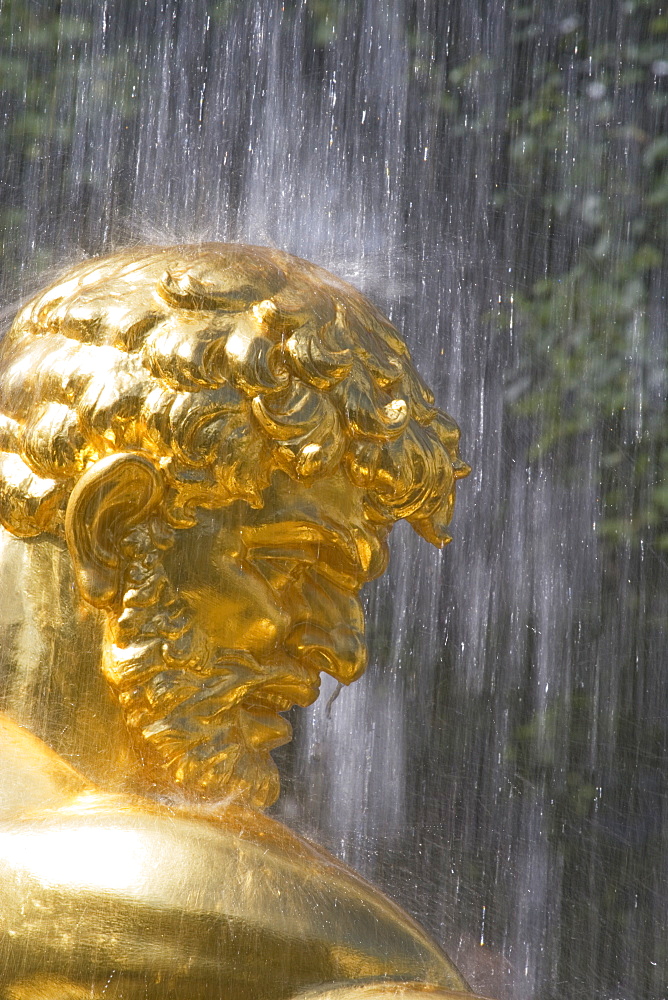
{"points": [[224, 436]]}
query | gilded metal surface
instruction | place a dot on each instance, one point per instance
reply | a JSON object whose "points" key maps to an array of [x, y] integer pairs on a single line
{"points": [[202, 452], [384, 991]]}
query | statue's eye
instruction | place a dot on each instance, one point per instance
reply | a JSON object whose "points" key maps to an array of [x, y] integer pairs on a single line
{"points": [[282, 552], [279, 566]]}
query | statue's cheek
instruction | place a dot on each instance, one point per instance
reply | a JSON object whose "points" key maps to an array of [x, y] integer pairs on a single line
{"points": [[239, 611]]}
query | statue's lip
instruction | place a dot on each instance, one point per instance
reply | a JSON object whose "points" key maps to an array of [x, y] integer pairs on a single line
{"points": [[281, 694], [268, 701]]}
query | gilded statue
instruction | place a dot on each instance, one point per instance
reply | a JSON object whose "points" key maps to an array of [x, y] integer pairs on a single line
{"points": [[203, 450]]}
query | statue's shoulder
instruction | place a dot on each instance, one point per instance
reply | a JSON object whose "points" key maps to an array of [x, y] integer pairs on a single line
{"points": [[225, 895], [32, 776]]}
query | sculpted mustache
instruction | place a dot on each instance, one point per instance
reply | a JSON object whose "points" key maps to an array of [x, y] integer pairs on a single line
{"points": [[230, 676], [234, 676]]}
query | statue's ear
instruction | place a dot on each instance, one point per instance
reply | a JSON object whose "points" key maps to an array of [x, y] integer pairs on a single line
{"points": [[111, 497]]}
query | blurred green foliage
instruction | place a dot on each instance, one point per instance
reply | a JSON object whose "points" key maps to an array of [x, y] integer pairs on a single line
{"points": [[588, 149], [583, 180]]}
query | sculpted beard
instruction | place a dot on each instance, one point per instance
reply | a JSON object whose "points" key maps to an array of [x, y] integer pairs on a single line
{"points": [[209, 717]]}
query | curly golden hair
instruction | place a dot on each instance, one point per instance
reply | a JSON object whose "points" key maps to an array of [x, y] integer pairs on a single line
{"points": [[223, 363]]}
